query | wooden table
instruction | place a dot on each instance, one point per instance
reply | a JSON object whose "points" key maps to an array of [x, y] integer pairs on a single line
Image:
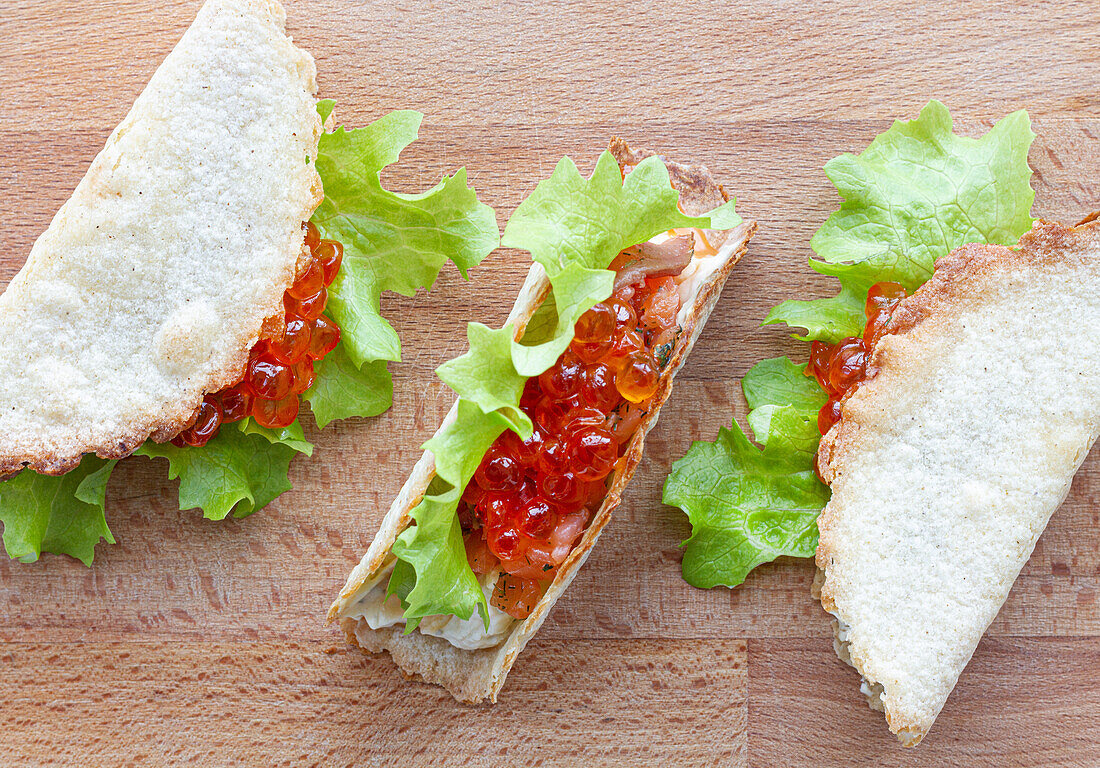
{"points": [[195, 643]]}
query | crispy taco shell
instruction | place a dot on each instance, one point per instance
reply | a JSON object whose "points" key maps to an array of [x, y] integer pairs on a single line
{"points": [[170, 259], [479, 674], [946, 465]]}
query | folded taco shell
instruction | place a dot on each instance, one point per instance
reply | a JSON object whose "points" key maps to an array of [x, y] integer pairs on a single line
{"points": [[946, 465], [170, 259], [474, 675]]}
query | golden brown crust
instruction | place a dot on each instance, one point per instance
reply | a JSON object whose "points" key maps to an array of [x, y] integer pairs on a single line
{"points": [[699, 191], [477, 675]]}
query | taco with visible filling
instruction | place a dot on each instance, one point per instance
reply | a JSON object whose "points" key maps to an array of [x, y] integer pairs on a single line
{"points": [[951, 455], [513, 490], [219, 263], [950, 394]]}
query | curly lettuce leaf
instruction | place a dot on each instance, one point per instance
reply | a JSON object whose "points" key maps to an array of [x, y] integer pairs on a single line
{"points": [[750, 505], [392, 242], [292, 436], [343, 389], [64, 514], [842, 315], [915, 194], [432, 574], [243, 469], [487, 377], [574, 227]]}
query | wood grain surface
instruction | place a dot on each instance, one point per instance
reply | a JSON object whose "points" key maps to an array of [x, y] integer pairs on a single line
{"points": [[194, 643]]}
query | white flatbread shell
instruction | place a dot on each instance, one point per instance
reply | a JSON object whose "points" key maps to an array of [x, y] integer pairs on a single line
{"points": [[477, 675], [157, 276], [947, 465]]}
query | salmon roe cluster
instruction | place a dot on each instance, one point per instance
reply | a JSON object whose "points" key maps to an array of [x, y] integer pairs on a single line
{"points": [[840, 368], [278, 372], [530, 500]]}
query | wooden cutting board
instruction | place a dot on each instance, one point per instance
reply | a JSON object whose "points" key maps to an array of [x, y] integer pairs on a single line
{"points": [[199, 643]]}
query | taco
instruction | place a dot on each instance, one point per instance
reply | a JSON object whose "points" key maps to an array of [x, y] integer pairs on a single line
{"points": [[513, 491]]}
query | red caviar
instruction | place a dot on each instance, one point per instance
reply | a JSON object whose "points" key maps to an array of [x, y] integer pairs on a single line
{"points": [[279, 371], [840, 368], [530, 501]]}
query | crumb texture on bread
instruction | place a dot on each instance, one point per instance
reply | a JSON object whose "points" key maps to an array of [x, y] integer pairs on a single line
{"points": [[948, 463], [155, 279]]}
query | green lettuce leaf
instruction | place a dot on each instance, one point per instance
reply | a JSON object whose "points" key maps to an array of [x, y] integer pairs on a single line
{"points": [[916, 193], [777, 382], [64, 515], [243, 469], [392, 242], [434, 576], [574, 227], [487, 376], [292, 436], [750, 505], [842, 315], [343, 389]]}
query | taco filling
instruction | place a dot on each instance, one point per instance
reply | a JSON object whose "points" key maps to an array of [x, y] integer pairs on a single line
{"points": [[841, 368], [279, 371], [530, 501]]}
